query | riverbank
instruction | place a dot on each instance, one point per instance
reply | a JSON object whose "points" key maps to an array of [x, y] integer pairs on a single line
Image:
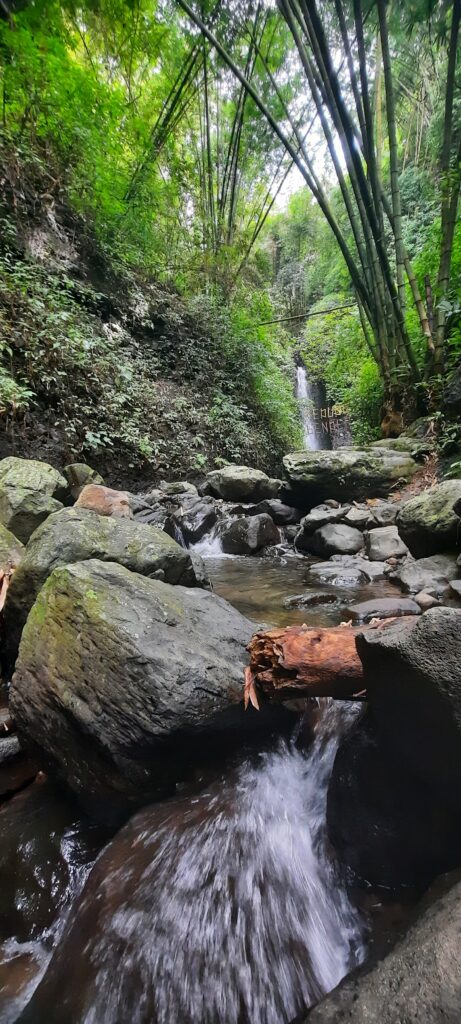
{"points": [[129, 686]]}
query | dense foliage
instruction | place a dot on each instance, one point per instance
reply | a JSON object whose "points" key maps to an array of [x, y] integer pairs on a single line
{"points": [[151, 224]]}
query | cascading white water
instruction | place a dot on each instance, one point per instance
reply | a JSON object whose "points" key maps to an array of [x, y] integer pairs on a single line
{"points": [[210, 546], [304, 396], [225, 908]]}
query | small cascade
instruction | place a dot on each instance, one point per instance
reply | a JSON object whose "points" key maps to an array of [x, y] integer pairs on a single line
{"points": [[210, 546], [222, 907]]}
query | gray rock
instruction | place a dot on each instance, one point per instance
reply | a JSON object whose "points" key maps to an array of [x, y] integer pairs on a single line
{"points": [[336, 539], [29, 492], [322, 515], [118, 676], [413, 446], [384, 514], [336, 575], [283, 515], [455, 587], [178, 487], [433, 575], [249, 534], [418, 982], [426, 601], [76, 535], [347, 473], [412, 676], [11, 550], [78, 475], [383, 608], [383, 543], [371, 570], [428, 523], [240, 483], [357, 517]]}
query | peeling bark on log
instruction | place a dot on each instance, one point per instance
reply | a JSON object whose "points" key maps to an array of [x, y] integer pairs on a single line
{"points": [[304, 661]]}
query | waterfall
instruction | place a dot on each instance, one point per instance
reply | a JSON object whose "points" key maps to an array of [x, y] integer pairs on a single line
{"points": [[306, 404]]}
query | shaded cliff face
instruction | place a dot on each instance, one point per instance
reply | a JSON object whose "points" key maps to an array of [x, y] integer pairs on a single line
{"points": [[103, 365]]}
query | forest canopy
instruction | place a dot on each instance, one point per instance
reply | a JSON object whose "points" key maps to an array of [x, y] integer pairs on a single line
{"points": [[266, 163]]}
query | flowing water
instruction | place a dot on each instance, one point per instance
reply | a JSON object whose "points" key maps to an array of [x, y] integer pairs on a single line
{"points": [[221, 906], [306, 400]]}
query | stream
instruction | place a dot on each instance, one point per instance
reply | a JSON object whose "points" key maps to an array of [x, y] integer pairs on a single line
{"points": [[222, 904]]}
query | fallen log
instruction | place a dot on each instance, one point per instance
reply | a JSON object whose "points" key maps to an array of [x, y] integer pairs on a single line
{"points": [[304, 661]]}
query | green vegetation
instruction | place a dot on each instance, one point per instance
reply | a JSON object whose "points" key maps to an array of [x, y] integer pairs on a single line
{"points": [[144, 237]]}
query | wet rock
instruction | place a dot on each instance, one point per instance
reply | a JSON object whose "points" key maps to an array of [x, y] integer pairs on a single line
{"points": [[418, 982], [45, 844], [105, 501], [193, 519], [433, 575], [11, 550], [347, 473], [336, 574], [336, 539], [455, 587], [283, 515], [119, 678], [370, 570], [426, 601], [240, 483], [78, 474], [387, 825], [411, 670], [200, 571], [310, 599], [29, 492], [16, 769], [75, 535], [248, 535], [428, 522], [383, 608], [383, 543]]}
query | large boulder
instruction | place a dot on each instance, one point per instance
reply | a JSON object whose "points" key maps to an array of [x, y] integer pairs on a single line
{"points": [[413, 681], [346, 473], [75, 535], [29, 492], [389, 826], [335, 538], [428, 522], [432, 575], [120, 677], [240, 483], [248, 535], [283, 515], [384, 542], [418, 982]]}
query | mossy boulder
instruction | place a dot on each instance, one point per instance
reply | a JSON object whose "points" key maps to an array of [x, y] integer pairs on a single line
{"points": [[29, 492], [428, 523], [240, 483], [78, 475], [11, 550], [78, 534], [346, 473], [119, 678]]}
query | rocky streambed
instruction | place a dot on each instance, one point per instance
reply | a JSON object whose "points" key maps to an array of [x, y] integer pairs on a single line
{"points": [[276, 842]]}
